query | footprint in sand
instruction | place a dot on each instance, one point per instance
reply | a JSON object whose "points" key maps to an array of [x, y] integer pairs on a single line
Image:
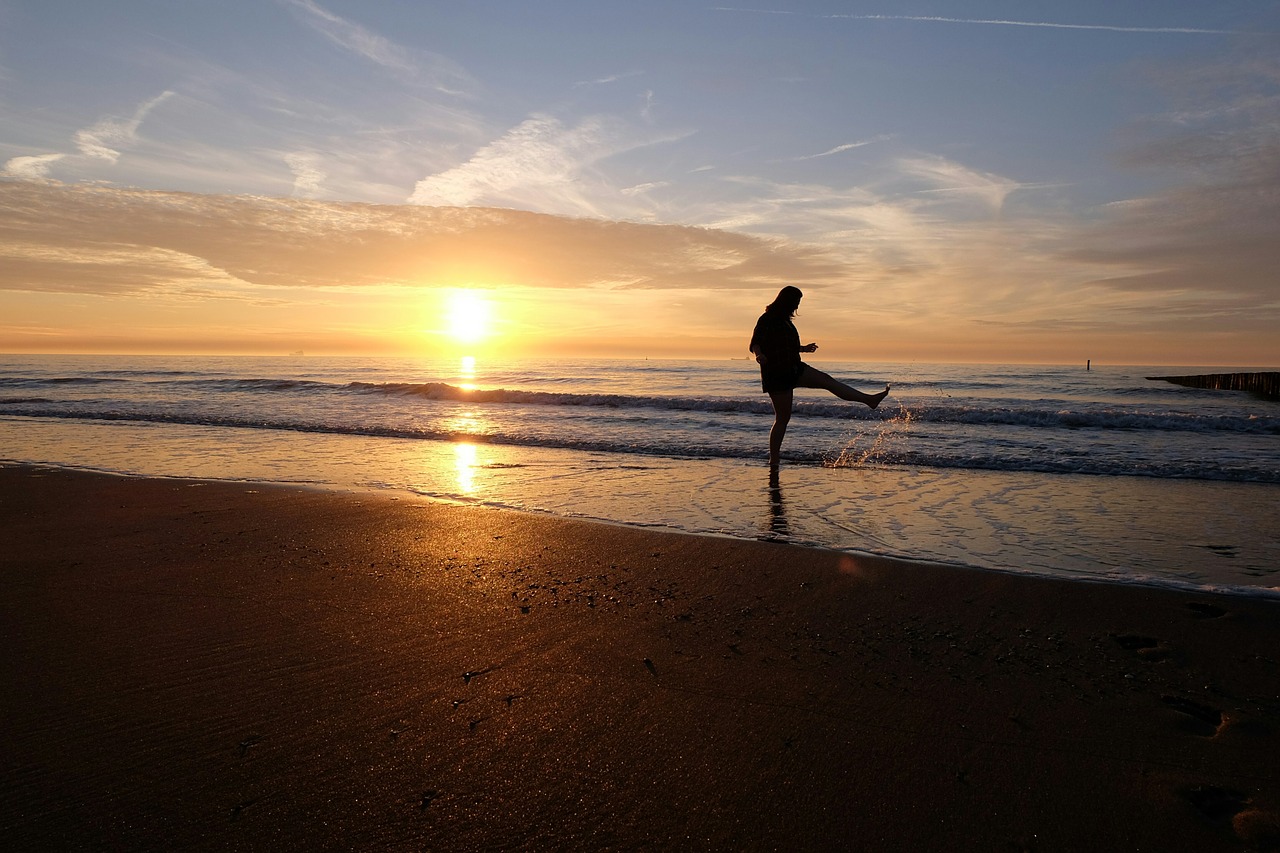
{"points": [[1257, 828], [1200, 720], [1217, 804], [1148, 648], [1201, 610]]}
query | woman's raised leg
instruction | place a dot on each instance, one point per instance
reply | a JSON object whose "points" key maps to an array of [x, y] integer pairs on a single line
{"points": [[813, 378]]}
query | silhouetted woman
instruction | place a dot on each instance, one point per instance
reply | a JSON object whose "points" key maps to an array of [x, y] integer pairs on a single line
{"points": [[776, 346]]}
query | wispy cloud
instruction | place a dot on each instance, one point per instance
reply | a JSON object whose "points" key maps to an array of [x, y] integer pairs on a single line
{"points": [[355, 38], [541, 164], [540, 151], [1214, 230], [929, 19], [640, 189], [646, 109], [848, 146], [444, 74], [606, 80], [947, 176], [31, 168], [105, 139], [997, 22], [307, 174]]}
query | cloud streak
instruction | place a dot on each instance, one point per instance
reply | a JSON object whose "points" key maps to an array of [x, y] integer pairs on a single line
{"points": [[606, 80], [839, 149], [354, 38], [541, 164], [445, 75], [997, 22], [104, 140]]}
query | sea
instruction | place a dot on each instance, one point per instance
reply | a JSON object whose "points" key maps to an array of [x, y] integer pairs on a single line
{"points": [[1101, 474]]}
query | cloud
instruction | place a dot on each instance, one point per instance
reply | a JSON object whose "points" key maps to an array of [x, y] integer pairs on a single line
{"points": [[611, 78], [646, 110], [31, 168], [998, 22], [849, 146], [102, 269], [946, 176], [540, 164], [355, 38], [307, 175], [640, 189], [929, 19], [104, 140], [442, 74], [540, 151], [1212, 233], [109, 241]]}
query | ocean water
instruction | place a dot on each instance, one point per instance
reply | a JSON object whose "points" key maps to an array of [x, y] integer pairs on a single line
{"points": [[1100, 474]]}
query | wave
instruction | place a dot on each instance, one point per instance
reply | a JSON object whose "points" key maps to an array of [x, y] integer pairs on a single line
{"points": [[688, 446], [56, 381], [1026, 416], [1029, 415]]}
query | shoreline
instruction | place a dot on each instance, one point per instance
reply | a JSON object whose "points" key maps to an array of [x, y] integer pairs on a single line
{"points": [[218, 665], [766, 532]]}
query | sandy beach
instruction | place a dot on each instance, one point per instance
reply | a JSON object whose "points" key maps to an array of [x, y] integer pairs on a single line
{"points": [[224, 666]]}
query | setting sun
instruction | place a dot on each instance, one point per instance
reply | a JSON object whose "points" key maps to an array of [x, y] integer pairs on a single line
{"points": [[468, 316]]}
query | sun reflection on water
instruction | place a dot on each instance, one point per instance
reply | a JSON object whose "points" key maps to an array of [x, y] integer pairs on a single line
{"points": [[467, 372], [464, 458]]}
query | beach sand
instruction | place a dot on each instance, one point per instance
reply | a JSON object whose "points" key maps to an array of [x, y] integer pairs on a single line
{"points": [[225, 666]]}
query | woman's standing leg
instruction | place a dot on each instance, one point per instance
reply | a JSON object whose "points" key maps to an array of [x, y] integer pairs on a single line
{"points": [[781, 417]]}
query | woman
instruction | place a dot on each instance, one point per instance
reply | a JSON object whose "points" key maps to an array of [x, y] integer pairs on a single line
{"points": [[776, 346]]}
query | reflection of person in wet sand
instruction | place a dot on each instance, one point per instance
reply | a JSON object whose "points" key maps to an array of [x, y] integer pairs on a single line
{"points": [[778, 526], [776, 346]]}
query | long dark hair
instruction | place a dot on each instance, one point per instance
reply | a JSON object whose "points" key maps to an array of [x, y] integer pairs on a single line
{"points": [[786, 302]]}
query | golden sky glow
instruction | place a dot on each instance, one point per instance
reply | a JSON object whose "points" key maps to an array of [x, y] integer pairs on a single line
{"points": [[390, 179]]}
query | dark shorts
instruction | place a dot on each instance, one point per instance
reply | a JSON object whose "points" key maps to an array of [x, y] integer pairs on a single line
{"points": [[784, 379]]}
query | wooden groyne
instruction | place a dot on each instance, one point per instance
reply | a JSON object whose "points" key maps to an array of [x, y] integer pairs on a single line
{"points": [[1265, 385]]}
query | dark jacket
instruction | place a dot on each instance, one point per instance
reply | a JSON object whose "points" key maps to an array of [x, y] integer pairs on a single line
{"points": [[775, 337]]}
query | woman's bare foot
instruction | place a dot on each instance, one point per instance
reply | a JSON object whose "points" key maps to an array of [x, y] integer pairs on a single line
{"points": [[876, 398]]}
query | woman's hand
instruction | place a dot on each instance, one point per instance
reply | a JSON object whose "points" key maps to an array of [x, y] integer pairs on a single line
{"points": [[809, 348]]}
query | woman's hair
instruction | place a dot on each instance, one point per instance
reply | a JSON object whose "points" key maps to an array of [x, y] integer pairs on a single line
{"points": [[786, 302]]}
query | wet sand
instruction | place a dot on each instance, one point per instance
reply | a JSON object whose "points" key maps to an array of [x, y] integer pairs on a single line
{"points": [[225, 666]]}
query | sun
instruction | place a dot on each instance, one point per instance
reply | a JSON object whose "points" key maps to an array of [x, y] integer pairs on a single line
{"points": [[468, 316]]}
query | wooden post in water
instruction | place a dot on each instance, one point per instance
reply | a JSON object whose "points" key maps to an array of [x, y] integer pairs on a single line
{"points": [[1265, 385]]}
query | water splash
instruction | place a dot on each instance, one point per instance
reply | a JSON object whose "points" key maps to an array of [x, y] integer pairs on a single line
{"points": [[860, 449]]}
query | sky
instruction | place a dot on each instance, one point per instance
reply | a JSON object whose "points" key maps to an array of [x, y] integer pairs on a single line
{"points": [[946, 181]]}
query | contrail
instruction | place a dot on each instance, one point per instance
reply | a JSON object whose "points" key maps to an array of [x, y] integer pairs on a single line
{"points": [[929, 19], [1051, 25]]}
